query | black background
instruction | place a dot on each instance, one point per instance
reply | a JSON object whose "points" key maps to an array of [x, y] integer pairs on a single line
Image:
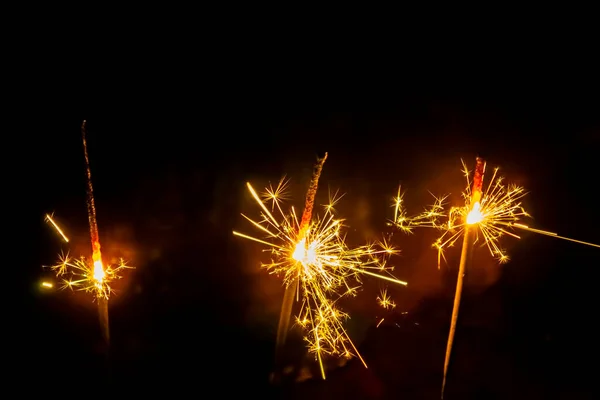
{"points": [[170, 158]]}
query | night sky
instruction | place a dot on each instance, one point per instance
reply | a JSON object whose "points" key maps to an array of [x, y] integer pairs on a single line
{"points": [[198, 316]]}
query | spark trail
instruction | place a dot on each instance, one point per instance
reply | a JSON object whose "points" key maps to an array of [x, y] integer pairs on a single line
{"points": [[53, 223]]}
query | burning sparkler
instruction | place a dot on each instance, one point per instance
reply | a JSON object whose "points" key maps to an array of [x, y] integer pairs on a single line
{"points": [[79, 273], [489, 214], [316, 264]]}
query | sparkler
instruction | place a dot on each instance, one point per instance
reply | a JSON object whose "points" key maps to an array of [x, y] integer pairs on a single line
{"points": [[488, 214], [98, 271], [473, 217], [78, 273], [317, 265]]}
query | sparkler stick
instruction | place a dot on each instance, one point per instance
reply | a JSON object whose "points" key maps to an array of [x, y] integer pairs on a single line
{"points": [[98, 272], [473, 217], [292, 288]]}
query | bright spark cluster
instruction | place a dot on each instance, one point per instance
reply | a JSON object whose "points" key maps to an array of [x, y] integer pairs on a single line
{"points": [[500, 208], [385, 301], [317, 257], [83, 274]]}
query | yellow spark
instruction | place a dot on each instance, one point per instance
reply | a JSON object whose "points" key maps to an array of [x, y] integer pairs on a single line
{"points": [[47, 285], [318, 258], [50, 220], [427, 219], [385, 300], [92, 277]]}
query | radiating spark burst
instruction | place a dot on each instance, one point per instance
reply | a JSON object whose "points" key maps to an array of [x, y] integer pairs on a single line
{"points": [[495, 215], [499, 208], [82, 274], [427, 219], [90, 275], [318, 258], [385, 301]]}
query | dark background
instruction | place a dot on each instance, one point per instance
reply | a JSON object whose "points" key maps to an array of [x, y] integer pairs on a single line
{"points": [[197, 316]]}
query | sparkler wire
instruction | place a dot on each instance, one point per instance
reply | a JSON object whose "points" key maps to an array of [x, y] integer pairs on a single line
{"points": [[464, 256], [291, 289], [95, 239]]}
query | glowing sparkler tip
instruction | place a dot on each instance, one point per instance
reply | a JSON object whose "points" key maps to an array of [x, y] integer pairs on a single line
{"points": [[475, 216], [99, 271], [47, 285]]}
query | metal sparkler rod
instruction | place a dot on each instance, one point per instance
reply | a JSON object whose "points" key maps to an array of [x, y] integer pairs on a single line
{"points": [[292, 287], [95, 238], [91, 206], [476, 193]]}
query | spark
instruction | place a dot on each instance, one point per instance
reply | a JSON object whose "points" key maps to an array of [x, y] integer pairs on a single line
{"points": [[48, 218], [47, 285], [84, 274], [426, 219], [311, 255], [385, 300], [495, 213]]}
